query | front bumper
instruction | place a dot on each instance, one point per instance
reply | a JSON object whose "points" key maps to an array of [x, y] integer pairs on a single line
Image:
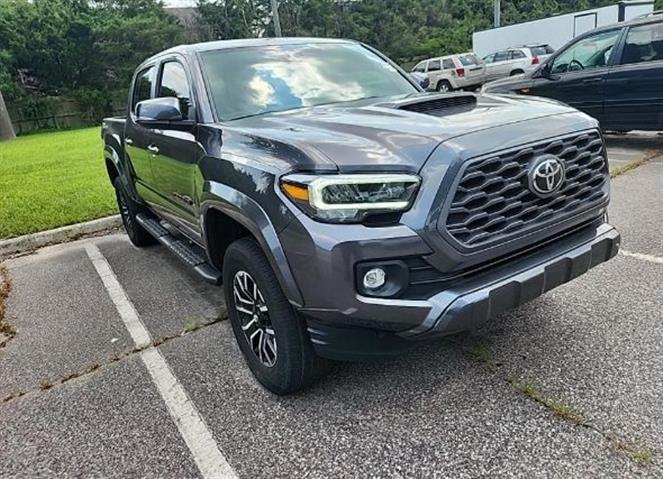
{"points": [[469, 303]]}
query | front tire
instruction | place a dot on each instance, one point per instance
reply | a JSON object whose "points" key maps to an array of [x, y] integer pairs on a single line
{"points": [[443, 86], [270, 334], [128, 211]]}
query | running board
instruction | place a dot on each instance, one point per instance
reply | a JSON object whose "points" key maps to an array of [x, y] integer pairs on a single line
{"points": [[190, 254]]}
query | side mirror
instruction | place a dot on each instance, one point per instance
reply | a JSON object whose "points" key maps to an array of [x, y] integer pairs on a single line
{"points": [[159, 109], [544, 71]]}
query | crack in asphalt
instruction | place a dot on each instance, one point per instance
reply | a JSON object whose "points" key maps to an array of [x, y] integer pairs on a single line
{"points": [[620, 170], [46, 385], [7, 331], [480, 352]]}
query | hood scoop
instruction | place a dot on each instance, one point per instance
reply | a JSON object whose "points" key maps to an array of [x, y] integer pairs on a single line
{"points": [[439, 105]]}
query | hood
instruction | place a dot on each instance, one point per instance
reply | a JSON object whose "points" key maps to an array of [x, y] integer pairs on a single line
{"points": [[394, 134]]}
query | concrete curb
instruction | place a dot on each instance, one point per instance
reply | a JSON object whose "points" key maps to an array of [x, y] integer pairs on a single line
{"points": [[33, 241]]}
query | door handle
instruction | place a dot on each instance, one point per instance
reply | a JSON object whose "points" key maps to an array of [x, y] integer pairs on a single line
{"points": [[592, 81], [129, 141], [154, 149]]}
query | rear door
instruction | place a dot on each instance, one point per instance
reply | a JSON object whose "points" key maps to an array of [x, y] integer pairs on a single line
{"points": [[634, 88], [578, 73], [136, 137], [499, 66], [174, 161], [475, 71], [518, 62]]}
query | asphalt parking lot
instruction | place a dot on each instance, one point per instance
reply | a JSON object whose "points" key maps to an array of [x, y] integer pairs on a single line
{"points": [[123, 365]]}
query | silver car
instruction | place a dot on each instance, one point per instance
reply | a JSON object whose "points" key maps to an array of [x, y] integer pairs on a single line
{"points": [[515, 60], [454, 72]]}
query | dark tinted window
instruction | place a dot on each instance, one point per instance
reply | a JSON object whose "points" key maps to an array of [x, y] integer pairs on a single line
{"points": [[501, 56], [644, 44], [143, 87], [516, 54], [448, 64], [468, 60], [591, 52], [175, 84], [256, 80], [434, 66]]}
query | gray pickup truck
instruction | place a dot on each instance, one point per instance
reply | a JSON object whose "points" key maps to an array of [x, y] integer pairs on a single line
{"points": [[348, 214]]}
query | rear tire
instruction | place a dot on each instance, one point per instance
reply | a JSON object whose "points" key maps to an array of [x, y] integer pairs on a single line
{"points": [[271, 335], [128, 211], [443, 86]]}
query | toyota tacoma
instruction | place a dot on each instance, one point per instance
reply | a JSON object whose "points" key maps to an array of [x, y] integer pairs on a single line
{"points": [[348, 214]]}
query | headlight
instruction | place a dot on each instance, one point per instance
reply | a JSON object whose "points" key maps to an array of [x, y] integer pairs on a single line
{"points": [[350, 198]]}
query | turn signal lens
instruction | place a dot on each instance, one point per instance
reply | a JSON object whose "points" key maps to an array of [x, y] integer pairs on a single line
{"points": [[295, 192]]}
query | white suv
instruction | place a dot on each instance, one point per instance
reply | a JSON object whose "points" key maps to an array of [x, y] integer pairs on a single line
{"points": [[515, 60], [453, 72]]}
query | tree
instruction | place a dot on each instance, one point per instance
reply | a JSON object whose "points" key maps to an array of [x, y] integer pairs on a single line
{"points": [[6, 128], [64, 45]]}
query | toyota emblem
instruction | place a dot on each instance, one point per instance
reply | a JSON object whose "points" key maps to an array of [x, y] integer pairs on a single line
{"points": [[547, 175]]}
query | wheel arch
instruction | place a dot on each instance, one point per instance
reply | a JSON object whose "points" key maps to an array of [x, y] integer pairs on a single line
{"points": [[227, 215]]}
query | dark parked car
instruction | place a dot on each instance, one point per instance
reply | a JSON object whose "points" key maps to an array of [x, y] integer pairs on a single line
{"points": [[348, 214], [614, 74]]}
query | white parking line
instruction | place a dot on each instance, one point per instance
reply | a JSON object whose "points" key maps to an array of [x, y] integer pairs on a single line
{"points": [[192, 428], [644, 257]]}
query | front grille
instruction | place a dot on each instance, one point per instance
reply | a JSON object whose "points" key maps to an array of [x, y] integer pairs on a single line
{"points": [[493, 202]]}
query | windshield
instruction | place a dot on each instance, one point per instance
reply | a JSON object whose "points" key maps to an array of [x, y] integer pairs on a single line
{"points": [[251, 81]]}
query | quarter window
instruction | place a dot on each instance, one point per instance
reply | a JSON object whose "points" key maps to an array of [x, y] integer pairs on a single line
{"points": [[588, 53], [516, 54], [448, 64], [644, 44], [142, 87], [175, 84]]}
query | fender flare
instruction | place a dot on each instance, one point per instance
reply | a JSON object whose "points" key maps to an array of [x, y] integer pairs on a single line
{"points": [[248, 213]]}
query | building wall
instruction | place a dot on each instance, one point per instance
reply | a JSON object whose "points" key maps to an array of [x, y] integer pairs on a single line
{"points": [[555, 31]]}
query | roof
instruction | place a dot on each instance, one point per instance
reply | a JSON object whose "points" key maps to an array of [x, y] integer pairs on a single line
{"points": [[248, 42]]}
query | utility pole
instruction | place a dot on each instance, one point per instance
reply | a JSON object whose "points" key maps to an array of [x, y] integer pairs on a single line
{"points": [[6, 128], [275, 17], [497, 16]]}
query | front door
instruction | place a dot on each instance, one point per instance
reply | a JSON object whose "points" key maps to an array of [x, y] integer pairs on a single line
{"points": [[175, 154], [578, 74], [634, 89], [137, 137]]}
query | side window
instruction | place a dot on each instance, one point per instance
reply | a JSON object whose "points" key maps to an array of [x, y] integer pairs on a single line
{"points": [[448, 64], [420, 68], [142, 87], [174, 83], [434, 66], [643, 44], [489, 58], [591, 52], [501, 56], [516, 54]]}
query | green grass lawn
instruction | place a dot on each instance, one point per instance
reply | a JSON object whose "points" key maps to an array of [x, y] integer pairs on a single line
{"points": [[53, 179]]}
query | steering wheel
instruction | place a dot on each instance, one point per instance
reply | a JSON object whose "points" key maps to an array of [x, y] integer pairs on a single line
{"points": [[579, 65]]}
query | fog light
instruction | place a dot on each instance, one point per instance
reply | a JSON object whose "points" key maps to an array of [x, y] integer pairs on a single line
{"points": [[374, 278]]}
